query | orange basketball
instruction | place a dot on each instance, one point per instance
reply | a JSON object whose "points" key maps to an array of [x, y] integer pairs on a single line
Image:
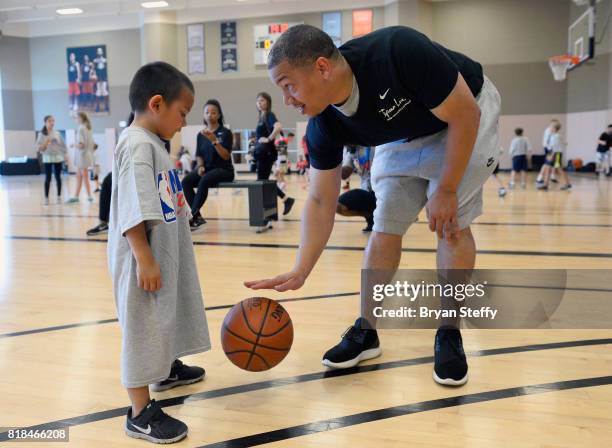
{"points": [[257, 334]]}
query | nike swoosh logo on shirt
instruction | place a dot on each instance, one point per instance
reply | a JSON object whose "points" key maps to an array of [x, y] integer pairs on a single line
{"points": [[384, 95], [143, 430]]}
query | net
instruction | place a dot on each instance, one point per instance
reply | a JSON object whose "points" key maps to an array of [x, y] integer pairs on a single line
{"points": [[560, 64]]}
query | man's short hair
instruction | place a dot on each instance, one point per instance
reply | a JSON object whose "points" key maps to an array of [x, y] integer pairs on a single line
{"points": [[157, 78], [301, 45]]}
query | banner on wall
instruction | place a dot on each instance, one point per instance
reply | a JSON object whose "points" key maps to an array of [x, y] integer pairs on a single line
{"points": [[332, 25], [229, 60], [196, 57], [228, 34], [229, 47], [87, 69], [362, 22]]}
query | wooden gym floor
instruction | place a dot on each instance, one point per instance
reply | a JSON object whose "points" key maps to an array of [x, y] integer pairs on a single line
{"points": [[59, 339]]}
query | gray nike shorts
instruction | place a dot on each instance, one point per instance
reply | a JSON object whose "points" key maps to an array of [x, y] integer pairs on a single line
{"points": [[406, 174]]}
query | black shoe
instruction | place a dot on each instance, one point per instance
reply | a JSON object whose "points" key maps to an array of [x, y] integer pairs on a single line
{"points": [[288, 205], [357, 344], [99, 229], [542, 187], [180, 375], [450, 367], [554, 181], [566, 187], [196, 222], [370, 221], [155, 425]]}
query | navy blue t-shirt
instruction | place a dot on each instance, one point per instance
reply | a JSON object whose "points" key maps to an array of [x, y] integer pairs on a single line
{"points": [[606, 138], [401, 76], [266, 126], [206, 150]]}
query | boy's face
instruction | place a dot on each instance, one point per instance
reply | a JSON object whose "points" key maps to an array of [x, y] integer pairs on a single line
{"points": [[170, 118]]}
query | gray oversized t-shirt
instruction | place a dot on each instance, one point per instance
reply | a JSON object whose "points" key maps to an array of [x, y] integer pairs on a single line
{"points": [[158, 327]]}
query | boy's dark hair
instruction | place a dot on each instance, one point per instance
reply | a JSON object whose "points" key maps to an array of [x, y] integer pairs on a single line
{"points": [[213, 102], [518, 131], [157, 78], [301, 45]]}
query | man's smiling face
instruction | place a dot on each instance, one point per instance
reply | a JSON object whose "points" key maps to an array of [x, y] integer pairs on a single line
{"points": [[304, 88]]}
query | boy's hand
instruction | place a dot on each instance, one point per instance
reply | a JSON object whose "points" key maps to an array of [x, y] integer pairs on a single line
{"points": [[149, 275]]}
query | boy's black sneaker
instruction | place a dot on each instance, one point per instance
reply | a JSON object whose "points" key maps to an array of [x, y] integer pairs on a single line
{"points": [[450, 367], [358, 344], [288, 205], [98, 230], [155, 425], [180, 375]]}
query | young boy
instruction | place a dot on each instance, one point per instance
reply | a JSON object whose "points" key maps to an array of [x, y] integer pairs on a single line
{"points": [[150, 253], [519, 148], [555, 163], [547, 152], [603, 151]]}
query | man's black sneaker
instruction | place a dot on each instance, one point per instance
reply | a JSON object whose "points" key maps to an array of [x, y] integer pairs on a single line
{"points": [[450, 367], [99, 229], [180, 375], [370, 222], [288, 205], [358, 344], [196, 222], [155, 425]]}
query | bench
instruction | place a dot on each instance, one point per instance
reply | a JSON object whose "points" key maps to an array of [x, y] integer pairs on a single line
{"points": [[262, 201]]}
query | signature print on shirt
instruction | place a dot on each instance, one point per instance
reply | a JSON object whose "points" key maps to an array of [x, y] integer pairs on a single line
{"points": [[392, 109]]}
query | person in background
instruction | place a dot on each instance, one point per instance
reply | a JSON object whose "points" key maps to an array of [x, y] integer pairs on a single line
{"points": [[603, 151], [268, 127], [359, 201], [519, 148], [83, 157], [214, 161], [53, 149]]}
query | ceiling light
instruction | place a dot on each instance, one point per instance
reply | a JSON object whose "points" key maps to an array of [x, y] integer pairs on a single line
{"points": [[69, 11], [154, 4]]}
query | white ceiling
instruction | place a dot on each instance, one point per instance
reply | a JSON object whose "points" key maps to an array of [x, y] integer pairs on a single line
{"points": [[39, 17]]}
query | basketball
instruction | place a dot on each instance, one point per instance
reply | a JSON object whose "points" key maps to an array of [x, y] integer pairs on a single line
{"points": [[257, 334]]}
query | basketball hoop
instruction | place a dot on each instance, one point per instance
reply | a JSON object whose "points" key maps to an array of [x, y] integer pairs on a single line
{"points": [[560, 64]]}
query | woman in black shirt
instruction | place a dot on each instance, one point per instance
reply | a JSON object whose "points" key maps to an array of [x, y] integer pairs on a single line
{"points": [[214, 162], [268, 127]]}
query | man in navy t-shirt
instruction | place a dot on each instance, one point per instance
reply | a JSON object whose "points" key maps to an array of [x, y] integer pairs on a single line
{"points": [[432, 115]]}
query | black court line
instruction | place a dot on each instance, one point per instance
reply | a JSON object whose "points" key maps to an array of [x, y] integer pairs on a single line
{"points": [[339, 248], [354, 221], [299, 379], [209, 308], [407, 409]]}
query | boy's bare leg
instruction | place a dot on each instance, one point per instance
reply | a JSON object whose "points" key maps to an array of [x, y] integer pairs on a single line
{"points": [[140, 398]]}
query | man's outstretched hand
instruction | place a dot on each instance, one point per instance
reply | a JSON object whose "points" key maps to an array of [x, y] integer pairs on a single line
{"points": [[284, 282]]}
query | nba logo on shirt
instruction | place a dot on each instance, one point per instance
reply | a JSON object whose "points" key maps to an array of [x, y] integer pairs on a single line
{"points": [[177, 188], [165, 197]]}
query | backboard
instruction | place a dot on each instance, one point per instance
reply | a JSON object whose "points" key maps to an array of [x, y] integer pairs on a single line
{"points": [[581, 34]]}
